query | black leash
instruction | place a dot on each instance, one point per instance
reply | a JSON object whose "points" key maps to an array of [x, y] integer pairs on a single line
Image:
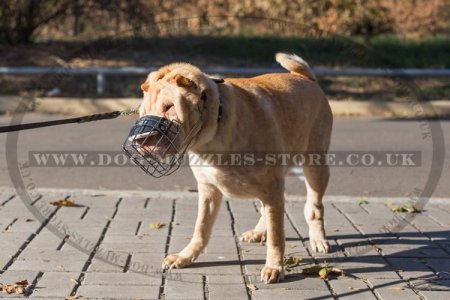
{"points": [[83, 119]]}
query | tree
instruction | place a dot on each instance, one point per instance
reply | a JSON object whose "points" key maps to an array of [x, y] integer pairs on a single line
{"points": [[19, 19]]}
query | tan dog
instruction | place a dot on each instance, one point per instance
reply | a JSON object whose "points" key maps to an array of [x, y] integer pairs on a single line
{"points": [[271, 112]]}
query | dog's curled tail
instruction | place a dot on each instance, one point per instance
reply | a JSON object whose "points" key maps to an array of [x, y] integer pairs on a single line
{"points": [[295, 64]]}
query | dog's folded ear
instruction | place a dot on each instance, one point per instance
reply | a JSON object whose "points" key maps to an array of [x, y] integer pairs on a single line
{"points": [[182, 81], [145, 86]]}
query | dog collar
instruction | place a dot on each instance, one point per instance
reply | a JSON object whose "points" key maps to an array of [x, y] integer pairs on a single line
{"points": [[219, 115]]}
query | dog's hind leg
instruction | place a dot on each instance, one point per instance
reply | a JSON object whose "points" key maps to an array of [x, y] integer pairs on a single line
{"points": [[209, 202], [273, 270], [258, 234], [316, 184]]}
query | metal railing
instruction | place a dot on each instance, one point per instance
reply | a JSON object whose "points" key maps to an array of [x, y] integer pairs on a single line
{"points": [[101, 72]]}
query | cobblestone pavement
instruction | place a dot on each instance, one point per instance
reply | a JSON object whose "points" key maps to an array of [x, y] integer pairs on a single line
{"points": [[106, 248]]}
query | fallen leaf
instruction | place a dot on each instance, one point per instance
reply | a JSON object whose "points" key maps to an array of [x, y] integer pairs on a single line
{"points": [[18, 288], [157, 225], [313, 270], [362, 201], [323, 272], [74, 280], [22, 283], [252, 287], [63, 202], [409, 208], [291, 262], [73, 297]]}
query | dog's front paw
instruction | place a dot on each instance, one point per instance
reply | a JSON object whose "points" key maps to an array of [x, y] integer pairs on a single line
{"points": [[253, 236], [319, 245], [271, 274], [174, 261]]}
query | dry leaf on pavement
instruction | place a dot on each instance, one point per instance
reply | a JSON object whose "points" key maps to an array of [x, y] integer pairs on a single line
{"points": [[323, 272], [157, 225], [252, 287], [18, 288], [409, 208], [291, 262], [63, 202]]}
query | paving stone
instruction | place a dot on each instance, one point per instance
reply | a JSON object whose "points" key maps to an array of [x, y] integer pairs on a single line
{"points": [[421, 257], [411, 251], [389, 289], [54, 284], [25, 226], [135, 247], [5, 221], [118, 292], [440, 265], [224, 287], [430, 284], [11, 276], [270, 294], [50, 254], [54, 265], [291, 282], [124, 279], [115, 263], [435, 295], [159, 238], [46, 240], [207, 264], [185, 287], [410, 267], [13, 240], [123, 227], [351, 288]]}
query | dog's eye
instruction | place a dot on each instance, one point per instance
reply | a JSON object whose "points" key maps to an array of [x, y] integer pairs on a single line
{"points": [[203, 96]]}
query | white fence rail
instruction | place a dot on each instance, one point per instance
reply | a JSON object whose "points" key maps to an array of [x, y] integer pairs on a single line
{"points": [[101, 72]]}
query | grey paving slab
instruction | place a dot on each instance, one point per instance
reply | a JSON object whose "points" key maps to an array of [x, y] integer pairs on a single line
{"points": [[224, 287], [434, 295], [291, 282], [118, 292], [213, 264], [351, 289], [124, 279], [409, 264], [46, 254], [186, 287], [54, 265], [270, 294], [53, 284], [389, 289]]}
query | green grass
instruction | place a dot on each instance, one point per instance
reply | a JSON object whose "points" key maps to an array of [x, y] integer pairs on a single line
{"points": [[382, 51]]}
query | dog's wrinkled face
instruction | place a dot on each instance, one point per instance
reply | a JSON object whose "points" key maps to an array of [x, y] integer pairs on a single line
{"points": [[182, 94]]}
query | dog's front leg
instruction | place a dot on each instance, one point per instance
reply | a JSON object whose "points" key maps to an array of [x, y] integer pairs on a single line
{"points": [[258, 234], [209, 202], [273, 270]]}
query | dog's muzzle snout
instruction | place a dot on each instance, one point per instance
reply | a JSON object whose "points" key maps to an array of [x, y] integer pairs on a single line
{"points": [[155, 145]]}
